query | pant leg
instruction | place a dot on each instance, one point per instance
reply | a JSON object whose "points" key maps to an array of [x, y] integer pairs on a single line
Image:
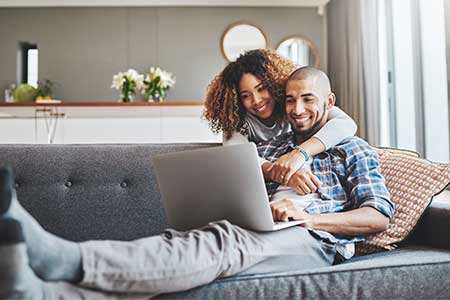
{"points": [[177, 261]]}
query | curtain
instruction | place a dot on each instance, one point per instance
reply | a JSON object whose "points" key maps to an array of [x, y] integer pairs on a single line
{"points": [[353, 63]]}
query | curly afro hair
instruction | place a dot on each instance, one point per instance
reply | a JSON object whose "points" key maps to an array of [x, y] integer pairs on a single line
{"points": [[223, 107]]}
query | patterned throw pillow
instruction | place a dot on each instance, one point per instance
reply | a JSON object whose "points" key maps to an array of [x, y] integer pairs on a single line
{"points": [[412, 183]]}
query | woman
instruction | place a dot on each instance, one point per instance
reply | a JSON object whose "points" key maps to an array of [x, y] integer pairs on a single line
{"points": [[245, 102]]}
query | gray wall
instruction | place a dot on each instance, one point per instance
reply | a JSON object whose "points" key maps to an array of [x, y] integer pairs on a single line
{"points": [[82, 48]]}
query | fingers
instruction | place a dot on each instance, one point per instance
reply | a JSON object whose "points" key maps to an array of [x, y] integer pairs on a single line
{"points": [[282, 210], [305, 182], [310, 185], [275, 173], [281, 173], [316, 181], [288, 175]]}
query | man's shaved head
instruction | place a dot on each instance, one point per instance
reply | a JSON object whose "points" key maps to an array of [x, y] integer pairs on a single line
{"points": [[319, 78]]}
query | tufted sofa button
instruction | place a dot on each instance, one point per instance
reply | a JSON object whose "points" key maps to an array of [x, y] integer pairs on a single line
{"points": [[124, 184], [68, 184]]}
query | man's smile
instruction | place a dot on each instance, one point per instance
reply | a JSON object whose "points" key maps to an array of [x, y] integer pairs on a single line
{"points": [[301, 120]]}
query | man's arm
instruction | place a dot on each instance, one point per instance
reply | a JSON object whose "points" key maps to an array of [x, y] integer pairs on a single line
{"points": [[360, 221], [370, 198]]}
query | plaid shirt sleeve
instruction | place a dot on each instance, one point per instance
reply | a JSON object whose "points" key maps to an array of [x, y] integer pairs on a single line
{"points": [[365, 183]]}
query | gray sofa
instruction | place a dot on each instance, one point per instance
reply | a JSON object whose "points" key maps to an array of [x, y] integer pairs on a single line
{"points": [[83, 192]]}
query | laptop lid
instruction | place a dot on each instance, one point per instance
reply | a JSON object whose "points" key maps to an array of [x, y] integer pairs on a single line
{"points": [[211, 184]]}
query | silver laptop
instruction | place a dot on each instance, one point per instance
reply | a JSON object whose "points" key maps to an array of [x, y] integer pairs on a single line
{"points": [[211, 184]]}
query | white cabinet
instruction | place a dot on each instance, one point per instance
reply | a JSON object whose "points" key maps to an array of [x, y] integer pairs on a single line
{"points": [[76, 125], [112, 130], [17, 130]]}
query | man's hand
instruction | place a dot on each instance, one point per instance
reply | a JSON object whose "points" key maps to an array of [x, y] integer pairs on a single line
{"points": [[286, 209], [285, 166], [304, 182]]}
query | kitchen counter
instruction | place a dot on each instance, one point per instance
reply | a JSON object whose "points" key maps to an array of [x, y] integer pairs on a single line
{"points": [[104, 122]]}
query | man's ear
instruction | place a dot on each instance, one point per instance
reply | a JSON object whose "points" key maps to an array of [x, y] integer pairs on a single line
{"points": [[331, 100]]}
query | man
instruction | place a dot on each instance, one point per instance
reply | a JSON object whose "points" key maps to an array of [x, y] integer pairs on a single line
{"points": [[352, 201]]}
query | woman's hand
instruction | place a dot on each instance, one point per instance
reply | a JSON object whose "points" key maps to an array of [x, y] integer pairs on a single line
{"points": [[284, 167], [304, 182]]}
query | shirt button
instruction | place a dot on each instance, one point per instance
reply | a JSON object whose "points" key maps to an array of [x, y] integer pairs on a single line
{"points": [[16, 185], [68, 184], [124, 184]]}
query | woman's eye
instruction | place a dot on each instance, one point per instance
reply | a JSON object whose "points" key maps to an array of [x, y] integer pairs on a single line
{"points": [[309, 99], [260, 89]]}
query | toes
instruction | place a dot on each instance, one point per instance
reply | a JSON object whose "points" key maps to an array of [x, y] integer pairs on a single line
{"points": [[6, 187], [10, 232]]}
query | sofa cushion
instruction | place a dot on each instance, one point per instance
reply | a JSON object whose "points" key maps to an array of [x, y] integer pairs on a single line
{"points": [[83, 192], [408, 273], [412, 183]]}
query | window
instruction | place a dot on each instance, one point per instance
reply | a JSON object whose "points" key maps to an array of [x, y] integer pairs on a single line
{"points": [[27, 68], [414, 105]]}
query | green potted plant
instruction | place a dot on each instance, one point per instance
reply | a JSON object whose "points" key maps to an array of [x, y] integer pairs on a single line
{"points": [[45, 90], [127, 82], [156, 84]]}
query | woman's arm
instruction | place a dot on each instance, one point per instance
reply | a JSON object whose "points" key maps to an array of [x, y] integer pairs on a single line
{"points": [[338, 127]]}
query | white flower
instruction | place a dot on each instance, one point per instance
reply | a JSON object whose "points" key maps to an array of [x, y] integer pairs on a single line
{"points": [[139, 81], [132, 74], [167, 79], [118, 81]]}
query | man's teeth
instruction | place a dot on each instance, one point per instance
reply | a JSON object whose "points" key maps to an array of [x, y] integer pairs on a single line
{"points": [[302, 119]]}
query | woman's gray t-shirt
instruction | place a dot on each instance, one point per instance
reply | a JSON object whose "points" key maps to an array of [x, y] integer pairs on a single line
{"points": [[258, 131]]}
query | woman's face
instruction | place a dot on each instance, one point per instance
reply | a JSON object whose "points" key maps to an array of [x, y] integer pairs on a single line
{"points": [[255, 97]]}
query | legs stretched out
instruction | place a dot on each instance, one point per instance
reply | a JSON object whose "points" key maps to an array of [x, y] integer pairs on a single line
{"points": [[51, 257], [170, 262], [17, 280]]}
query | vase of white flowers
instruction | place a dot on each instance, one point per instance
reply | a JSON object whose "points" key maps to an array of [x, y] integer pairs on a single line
{"points": [[156, 84], [128, 83]]}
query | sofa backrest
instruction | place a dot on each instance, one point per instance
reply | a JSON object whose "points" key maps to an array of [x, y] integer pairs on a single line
{"points": [[99, 191]]}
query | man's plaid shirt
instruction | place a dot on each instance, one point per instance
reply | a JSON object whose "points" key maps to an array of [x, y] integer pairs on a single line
{"points": [[350, 173]]}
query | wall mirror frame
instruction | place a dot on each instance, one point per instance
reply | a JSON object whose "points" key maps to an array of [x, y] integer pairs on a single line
{"points": [[314, 52], [240, 37]]}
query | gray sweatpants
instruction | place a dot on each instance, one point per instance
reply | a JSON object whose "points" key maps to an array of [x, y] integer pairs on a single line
{"points": [[176, 261]]}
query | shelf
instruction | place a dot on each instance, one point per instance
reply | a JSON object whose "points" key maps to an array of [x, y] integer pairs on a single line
{"points": [[103, 104]]}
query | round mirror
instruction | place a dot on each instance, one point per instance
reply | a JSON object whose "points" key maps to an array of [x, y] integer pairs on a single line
{"points": [[241, 37], [300, 50]]}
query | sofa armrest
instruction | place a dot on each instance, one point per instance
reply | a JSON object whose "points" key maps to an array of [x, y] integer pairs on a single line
{"points": [[432, 229]]}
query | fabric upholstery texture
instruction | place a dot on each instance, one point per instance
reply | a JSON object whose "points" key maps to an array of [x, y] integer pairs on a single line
{"points": [[97, 191], [412, 183], [410, 273], [84, 192]]}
